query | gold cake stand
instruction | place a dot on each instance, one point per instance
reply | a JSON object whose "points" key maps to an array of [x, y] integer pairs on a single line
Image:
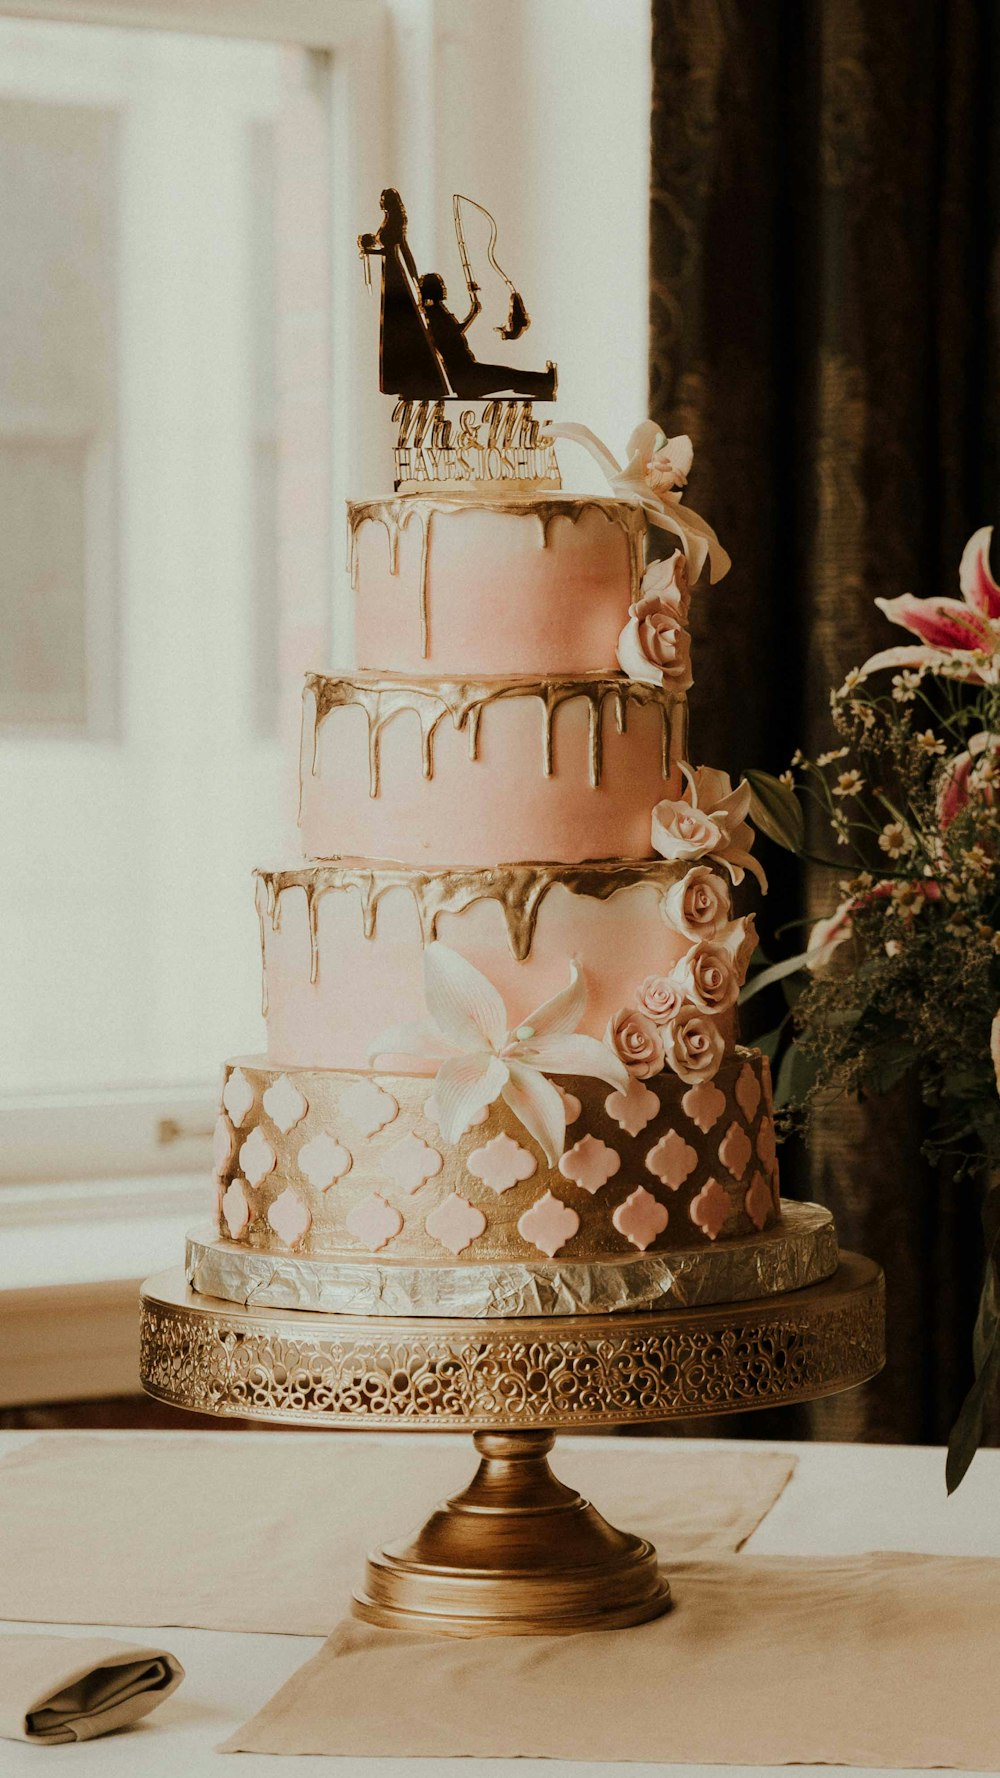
{"points": [[517, 1552]]}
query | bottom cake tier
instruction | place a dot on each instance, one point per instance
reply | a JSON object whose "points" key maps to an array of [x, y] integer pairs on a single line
{"points": [[326, 1173]]}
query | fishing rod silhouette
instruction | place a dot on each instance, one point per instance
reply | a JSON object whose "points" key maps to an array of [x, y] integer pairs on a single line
{"points": [[424, 354]]}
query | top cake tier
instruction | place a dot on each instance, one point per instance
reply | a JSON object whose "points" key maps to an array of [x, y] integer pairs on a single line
{"points": [[519, 584]]}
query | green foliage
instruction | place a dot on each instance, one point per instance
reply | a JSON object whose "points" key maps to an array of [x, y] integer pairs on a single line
{"points": [[906, 981]]}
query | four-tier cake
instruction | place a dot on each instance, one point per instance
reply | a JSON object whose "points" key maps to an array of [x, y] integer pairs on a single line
{"points": [[503, 1074]]}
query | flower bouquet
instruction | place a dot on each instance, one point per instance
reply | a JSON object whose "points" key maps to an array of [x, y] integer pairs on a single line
{"points": [[903, 976]]}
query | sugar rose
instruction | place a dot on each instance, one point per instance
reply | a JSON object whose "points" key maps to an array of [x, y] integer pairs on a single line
{"points": [[636, 1041], [699, 904], [708, 822], [693, 1046], [707, 978], [660, 998], [669, 578], [654, 648]]}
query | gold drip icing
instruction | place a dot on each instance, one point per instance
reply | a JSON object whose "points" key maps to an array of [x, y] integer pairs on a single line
{"points": [[395, 514], [382, 696], [519, 888]]}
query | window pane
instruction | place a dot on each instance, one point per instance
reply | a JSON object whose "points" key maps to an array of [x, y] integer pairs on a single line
{"points": [[57, 408]]}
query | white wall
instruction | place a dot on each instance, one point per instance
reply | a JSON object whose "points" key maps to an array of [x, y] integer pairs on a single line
{"points": [[539, 108]]}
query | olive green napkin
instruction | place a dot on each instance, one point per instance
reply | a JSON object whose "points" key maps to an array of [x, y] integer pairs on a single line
{"points": [[71, 1688]]}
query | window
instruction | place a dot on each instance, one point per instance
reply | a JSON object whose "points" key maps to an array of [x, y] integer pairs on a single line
{"points": [[145, 236]]}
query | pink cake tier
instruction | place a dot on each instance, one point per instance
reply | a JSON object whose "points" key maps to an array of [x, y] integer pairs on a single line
{"points": [[340, 1165], [343, 945], [493, 584], [482, 772]]}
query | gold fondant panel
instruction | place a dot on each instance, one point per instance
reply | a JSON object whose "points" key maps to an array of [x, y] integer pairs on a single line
{"points": [[364, 1169], [383, 696]]}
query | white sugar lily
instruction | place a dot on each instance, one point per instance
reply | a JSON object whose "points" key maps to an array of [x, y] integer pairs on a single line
{"points": [[654, 474], [484, 1060]]}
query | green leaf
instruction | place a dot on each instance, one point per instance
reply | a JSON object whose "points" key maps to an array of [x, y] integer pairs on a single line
{"points": [[776, 973], [796, 1078], [967, 1432], [768, 1044], [775, 810]]}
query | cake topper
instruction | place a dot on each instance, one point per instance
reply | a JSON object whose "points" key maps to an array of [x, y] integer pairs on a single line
{"points": [[426, 359]]}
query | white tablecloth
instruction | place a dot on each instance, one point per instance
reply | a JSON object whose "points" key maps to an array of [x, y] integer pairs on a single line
{"points": [[842, 1498]]}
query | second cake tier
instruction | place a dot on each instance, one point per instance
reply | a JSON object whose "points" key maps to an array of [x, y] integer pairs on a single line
{"points": [[483, 771], [343, 944]]}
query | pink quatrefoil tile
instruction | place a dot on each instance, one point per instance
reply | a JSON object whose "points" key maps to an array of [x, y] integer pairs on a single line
{"points": [[590, 1163], [433, 1115], [759, 1201], [323, 1161], [767, 1148], [284, 1104], [237, 1096], [374, 1222], [290, 1217], [368, 1107], [704, 1105], [672, 1160], [570, 1101], [412, 1161], [257, 1157], [455, 1223], [748, 1093], [222, 1145], [633, 1109], [235, 1209], [501, 1164], [709, 1211], [548, 1225], [641, 1218], [735, 1150]]}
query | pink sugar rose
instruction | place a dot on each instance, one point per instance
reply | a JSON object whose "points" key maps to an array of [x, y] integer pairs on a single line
{"points": [[693, 1046], [699, 905], [707, 978], [654, 648], [709, 821], [660, 998], [636, 1041], [669, 578]]}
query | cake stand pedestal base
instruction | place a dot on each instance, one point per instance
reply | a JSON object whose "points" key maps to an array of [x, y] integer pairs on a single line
{"points": [[515, 1554]]}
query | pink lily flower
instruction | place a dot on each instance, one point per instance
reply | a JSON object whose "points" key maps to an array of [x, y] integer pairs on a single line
{"points": [[951, 630], [958, 779]]}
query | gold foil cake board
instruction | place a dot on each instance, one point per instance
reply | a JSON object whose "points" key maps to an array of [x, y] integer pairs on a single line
{"points": [[309, 1369], [798, 1251]]}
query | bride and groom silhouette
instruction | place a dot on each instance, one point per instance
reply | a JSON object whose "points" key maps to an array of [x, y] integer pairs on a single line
{"points": [[424, 353]]}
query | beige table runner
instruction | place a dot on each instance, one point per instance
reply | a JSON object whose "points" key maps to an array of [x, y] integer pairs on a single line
{"points": [[268, 1532], [887, 1660]]}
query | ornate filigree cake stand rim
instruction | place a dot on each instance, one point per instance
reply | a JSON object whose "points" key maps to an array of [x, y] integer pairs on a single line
{"points": [[516, 1552], [413, 1373]]}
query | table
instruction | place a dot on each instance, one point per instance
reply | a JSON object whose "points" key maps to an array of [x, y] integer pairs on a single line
{"points": [[842, 1498]]}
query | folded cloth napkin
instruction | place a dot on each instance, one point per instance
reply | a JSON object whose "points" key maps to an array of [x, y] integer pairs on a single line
{"points": [[71, 1688]]}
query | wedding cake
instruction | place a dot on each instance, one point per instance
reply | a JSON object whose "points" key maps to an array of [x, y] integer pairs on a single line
{"points": [[503, 1074]]}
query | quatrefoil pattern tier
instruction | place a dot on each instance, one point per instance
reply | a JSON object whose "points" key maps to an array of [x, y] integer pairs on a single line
{"points": [[362, 1167]]}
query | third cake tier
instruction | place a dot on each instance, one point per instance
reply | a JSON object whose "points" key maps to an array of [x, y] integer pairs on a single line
{"points": [[479, 772]]}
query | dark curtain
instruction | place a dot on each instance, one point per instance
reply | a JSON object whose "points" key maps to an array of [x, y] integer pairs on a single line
{"points": [[824, 323]]}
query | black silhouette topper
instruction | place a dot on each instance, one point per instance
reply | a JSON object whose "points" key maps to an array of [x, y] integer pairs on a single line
{"points": [[424, 352]]}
